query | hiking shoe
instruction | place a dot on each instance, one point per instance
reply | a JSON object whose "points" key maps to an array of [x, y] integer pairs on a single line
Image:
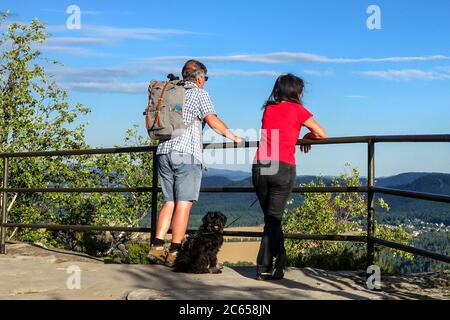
{"points": [[170, 259], [157, 255]]}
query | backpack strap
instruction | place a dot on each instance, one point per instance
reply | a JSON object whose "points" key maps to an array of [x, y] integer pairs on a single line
{"points": [[147, 110], [158, 106]]}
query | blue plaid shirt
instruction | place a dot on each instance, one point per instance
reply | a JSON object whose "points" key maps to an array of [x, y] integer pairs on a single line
{"points": [[197, 106]]}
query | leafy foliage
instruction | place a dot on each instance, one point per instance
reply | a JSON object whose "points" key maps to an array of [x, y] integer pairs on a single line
{"points": [[327, 213], [37, 115]]}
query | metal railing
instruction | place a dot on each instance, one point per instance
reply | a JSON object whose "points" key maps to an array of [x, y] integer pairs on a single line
{"points": [[369, 189]]}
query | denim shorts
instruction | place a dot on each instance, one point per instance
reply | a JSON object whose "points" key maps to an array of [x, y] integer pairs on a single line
{"points": [[180, 175]]}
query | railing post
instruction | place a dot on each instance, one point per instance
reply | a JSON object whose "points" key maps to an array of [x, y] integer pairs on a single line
{"points": [[154, 197], [4, 205], [370, 202]]}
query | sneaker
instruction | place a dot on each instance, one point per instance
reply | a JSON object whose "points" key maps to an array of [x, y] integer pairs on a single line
{"points": [[157, 255], [170, 259]]}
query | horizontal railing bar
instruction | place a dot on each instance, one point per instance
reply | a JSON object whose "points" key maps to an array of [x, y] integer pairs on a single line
{"points": [[150, 189], [417, 251], [256, 234], [73, 227], [294, 190], [413, 138], [413, 194], [326, 237], [56, 153], [226, 145], [79, 190]]}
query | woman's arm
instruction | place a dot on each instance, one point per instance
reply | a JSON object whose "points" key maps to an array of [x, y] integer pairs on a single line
{"points": [[316, 132]]}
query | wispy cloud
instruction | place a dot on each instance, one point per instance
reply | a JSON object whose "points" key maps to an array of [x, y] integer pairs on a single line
{"points": [[118, 34], [289, 57], [114, 87], [72, 50], [98, 35], [319, 73], [127, 78], [406, 74], [89, 12], [58, 41]]}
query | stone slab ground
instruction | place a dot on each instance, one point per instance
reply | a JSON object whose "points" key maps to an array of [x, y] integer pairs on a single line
{"points": [[33, 272]]}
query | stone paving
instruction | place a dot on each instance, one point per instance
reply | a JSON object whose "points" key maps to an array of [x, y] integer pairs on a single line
{"points": [[32, 272]]}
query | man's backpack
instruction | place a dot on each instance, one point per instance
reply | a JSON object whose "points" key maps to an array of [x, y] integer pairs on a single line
{"points": [[164, 112]]}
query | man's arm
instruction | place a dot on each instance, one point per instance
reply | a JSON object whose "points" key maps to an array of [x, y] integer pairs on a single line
{"points": [[219, 126]]}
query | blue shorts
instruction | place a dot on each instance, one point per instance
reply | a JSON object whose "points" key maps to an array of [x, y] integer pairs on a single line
{"points": [[180, 175]]}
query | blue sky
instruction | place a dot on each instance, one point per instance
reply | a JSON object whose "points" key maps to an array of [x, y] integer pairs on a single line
{"points": [[395, 80]]}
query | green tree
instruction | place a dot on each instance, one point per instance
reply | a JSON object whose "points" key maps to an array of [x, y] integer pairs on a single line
{"points": [[37, 115], [342, 213]]}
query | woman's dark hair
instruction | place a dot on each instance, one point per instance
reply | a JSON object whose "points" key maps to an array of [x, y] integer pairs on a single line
{"points": [[287, 88]]}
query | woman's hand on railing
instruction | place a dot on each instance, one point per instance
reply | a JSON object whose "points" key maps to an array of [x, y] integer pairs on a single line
{"points": [[306, 147]]}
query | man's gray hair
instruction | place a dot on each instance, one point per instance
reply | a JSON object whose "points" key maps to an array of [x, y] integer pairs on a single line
{"points": [[193, 69]]}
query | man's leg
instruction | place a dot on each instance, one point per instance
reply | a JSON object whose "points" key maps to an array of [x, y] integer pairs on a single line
{"points": [[164, 219], [180, 220], [187, 176], [157, 253]]}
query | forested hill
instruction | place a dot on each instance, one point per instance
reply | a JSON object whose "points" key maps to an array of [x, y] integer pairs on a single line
{"points": [[401, 209]]}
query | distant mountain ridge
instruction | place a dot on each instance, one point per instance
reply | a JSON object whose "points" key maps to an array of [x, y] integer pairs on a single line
{"points": [[432, 182]]}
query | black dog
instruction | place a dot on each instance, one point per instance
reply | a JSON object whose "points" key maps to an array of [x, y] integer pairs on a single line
{"points": [[199, 252]]}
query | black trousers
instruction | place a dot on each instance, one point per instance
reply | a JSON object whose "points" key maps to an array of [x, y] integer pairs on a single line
{"points": [[273, 182]]}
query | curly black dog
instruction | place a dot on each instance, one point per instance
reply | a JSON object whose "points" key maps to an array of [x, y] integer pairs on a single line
{"points": [[199, 252]]}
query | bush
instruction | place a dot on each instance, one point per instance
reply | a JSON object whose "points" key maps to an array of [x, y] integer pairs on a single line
{"points": [[326, 213], [137, 253]]}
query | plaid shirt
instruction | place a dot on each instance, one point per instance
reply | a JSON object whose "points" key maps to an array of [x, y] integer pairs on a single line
{"points": [[197, 106]]}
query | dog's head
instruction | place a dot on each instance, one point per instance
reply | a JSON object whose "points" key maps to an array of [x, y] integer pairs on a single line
{"points": [[214, 221]]}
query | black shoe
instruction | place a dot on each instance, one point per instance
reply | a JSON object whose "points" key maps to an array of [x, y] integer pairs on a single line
{"points": [[280, 263], [278, 274], [264, 276]]}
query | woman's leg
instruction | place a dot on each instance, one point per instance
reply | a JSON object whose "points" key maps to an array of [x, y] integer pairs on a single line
{"points": [[264, 258], [280, 189]]}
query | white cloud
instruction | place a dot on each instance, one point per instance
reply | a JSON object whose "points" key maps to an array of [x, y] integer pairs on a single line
{"points": [[73, 50], [289, 57], [139, 87], [118, 34], [319, 73], [406, 74], [58, 41], [83, 12], [94, 35]]}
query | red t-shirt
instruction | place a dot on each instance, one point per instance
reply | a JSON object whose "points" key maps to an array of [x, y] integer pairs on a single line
{"points": [[280, 131]]}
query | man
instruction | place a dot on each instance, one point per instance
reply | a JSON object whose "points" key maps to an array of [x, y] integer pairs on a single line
{"points": [[180, 163]]}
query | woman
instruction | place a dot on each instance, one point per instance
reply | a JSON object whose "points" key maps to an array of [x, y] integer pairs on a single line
{"points": [[274, 168]]}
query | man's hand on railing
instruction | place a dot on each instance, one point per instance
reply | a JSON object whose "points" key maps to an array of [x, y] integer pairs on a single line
{"points": [[238, 140]]}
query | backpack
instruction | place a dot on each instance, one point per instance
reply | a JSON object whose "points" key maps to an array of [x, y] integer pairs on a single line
{"points": [[164, 112]]}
